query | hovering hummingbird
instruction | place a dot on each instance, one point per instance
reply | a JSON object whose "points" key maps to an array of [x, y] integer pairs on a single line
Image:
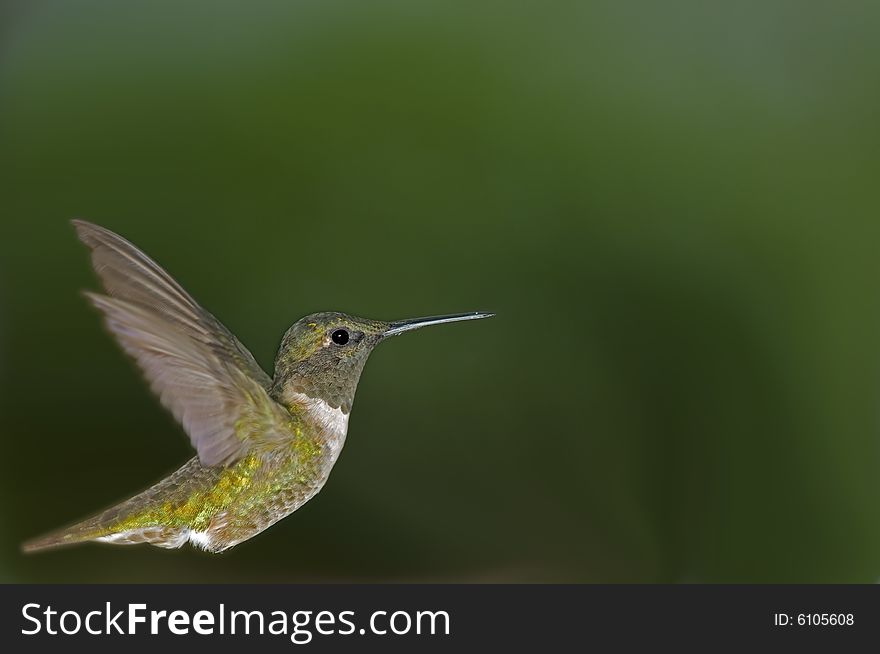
{"points": [[265, 446]]}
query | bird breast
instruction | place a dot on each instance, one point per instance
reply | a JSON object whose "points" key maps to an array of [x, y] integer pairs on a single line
{"points": [[331, 421]]}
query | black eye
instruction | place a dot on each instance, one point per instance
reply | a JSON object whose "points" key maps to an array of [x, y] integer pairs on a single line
{"points": [[340, 337]]}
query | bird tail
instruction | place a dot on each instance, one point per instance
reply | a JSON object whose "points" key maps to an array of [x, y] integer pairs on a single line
{"points": [[134, 521], [115, 525], [105, 528], [90, 529]]}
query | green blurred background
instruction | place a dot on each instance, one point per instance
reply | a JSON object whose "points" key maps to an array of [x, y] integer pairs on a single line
{"points": [[673, 207]]}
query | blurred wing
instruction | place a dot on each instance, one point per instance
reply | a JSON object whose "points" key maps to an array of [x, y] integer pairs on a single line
{"points": [[199, 370]]}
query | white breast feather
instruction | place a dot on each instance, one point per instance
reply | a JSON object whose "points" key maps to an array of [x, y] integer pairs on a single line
{"points": [[333, 421]]}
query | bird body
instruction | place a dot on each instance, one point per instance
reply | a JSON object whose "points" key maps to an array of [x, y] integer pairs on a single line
{"points": [[265, 446]]}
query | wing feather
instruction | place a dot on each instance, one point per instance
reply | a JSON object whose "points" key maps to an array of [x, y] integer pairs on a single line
{"points": [[201, 373]]}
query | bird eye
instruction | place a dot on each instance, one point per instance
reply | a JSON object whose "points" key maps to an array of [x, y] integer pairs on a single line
{"points": [[340, 337]]}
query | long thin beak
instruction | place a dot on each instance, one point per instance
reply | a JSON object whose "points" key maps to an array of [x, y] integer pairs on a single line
{"points": [[401, 326]]}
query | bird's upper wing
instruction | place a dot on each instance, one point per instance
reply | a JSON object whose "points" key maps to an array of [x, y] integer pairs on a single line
{"points": [[199, 370]]}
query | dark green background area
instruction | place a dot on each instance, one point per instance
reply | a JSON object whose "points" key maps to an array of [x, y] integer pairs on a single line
{"points": [[672, 207]]}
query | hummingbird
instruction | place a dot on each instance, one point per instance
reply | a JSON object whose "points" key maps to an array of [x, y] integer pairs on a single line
{"points": [[264, 445]]}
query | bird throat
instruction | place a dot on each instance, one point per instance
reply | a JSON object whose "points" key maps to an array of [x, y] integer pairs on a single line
{"points": [[333, 381], [331, 421]]}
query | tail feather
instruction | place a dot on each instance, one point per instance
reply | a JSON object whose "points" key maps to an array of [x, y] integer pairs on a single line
{"points": [[96, 530], [116, 526], [90, 529], [109, 527]]}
